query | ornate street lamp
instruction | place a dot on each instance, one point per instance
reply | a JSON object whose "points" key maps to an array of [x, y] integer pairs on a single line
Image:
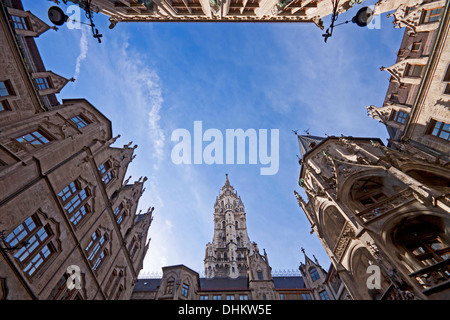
{"points": [[362, 18], [58, 17]]}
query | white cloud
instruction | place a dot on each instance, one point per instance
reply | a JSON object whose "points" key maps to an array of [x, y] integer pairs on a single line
{"points": [[83, 50], [143, 86]]}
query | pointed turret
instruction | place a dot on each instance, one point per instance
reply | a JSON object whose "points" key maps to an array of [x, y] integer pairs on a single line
{"points": [[308, 142]]}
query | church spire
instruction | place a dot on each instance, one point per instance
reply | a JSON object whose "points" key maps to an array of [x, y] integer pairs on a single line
{"points": [[227, 182]]}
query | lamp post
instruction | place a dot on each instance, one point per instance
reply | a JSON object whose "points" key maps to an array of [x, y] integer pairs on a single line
{"points": [[362, 18], [58, 17]]}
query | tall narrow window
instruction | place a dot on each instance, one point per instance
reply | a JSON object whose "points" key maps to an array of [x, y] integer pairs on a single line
{"points": [[74, 200], [4, 105], [306, 296], [169, 287], [106, 172], [185, 290], [34, 139], [447, 80], [260, 275], [62, 292], [119, 214], [431, 15], [39, 249], [117, 280], [95, 250], [314, 274], [440, 129], [80, 121]]}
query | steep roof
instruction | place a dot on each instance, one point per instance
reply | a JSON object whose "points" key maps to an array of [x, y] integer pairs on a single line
{"points": [[223, 284], [308, 142], [147, 284], [289, 282]]}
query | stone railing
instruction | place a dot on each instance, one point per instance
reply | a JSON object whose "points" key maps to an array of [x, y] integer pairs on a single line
{"points": [[387, 205], [433, 278]]}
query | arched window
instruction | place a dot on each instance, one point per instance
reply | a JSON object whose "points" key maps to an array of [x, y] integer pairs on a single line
{"points": [[430, 179], [368, 191], [360, 261], [236, 224], [314, 274], [333, 222], [425, 239], [185, 290]]}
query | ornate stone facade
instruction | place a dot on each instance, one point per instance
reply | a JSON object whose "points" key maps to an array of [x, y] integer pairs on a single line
{"points": [[386, 208], [309, 11], [68, 222], [235, 269], [363, 199]]}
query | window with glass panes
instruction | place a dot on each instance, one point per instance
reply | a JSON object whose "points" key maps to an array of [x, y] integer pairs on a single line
{"points": [[169, 287], [42, 83], [35, 139], [95, 250], [324, 295], [38, 248], [185, 290], [6, 88], [447, 80], [20, 22], [79, 121], [306, 296], [105, 172], [440, 129], [4, 105], [314, 274], [118, 214], [61, 292], [74, 200], [400, 117], [413, 70], [431, 15]]}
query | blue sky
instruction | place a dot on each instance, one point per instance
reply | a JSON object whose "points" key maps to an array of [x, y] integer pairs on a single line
{"points": [[152, 78]]}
